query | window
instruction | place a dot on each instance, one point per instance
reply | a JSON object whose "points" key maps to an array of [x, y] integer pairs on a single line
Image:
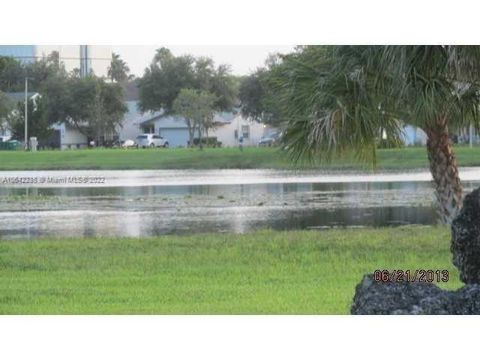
{"points": [[235, 134], [148, 129], [245, 131]]}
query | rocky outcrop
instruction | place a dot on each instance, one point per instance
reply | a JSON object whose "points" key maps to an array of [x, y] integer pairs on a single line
{"points": [[420, 298], [413, 298], [466, 239]]}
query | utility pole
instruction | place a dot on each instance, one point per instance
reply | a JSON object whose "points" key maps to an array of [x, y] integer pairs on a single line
{"points": [[26, 113]]}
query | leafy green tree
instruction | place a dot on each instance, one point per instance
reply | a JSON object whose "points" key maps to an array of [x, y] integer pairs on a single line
{"points": [[258, 99], [40, 71], [12, 74], [342, 98], [118, 70], [198, 109], [93, 106], [55, 91], [47, 76], [39, 124], [168, 74]]}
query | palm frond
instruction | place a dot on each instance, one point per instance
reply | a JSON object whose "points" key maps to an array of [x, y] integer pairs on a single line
{"points": [[342, 98]]}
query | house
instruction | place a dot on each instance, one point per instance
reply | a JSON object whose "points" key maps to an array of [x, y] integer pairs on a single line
{"points": [[173, 128], [131, 124], [66, 137], [229, 132], [133, 118], [71, 138], [227, 125], [228, 128]]}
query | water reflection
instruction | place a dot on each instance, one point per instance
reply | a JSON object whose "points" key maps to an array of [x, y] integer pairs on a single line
{"points": [[164, 209]]}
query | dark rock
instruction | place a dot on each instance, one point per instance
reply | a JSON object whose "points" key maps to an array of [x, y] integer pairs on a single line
{"points": [[466, 239], [413, 298], [372, 297]]}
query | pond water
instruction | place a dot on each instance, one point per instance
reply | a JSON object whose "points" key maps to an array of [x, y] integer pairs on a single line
{"points": [[148, 203]]}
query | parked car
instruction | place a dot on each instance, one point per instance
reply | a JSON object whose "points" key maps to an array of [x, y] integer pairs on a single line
{"points": [[128, 143], [269, 140], [151, 140]]}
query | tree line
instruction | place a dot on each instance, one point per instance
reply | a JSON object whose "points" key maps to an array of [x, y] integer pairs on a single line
{"points": [[187, 86]]}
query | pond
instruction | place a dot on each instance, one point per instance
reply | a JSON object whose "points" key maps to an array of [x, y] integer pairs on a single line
{"points": [[149, 203]]}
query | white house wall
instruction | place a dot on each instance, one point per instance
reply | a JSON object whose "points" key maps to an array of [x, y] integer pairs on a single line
{"points": [[70, 138], [226, 133]]}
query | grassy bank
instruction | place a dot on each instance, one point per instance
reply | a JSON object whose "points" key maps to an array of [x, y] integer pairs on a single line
{"points": [[226, 158], [300, 272]]}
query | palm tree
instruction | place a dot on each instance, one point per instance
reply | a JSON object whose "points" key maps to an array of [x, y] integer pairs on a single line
{"points": [[342, 98], [118, 70]]}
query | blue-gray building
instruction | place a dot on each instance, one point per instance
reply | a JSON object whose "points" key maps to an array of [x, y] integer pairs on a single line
{"points": [[85, 58], [23, 53]]}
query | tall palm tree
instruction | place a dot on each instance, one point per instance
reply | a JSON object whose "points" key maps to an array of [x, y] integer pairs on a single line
{"points": [[343, 98], [118, 69]]}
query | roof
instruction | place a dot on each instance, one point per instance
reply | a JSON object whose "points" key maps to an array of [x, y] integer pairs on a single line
{"points": [[151, 116], [19, 96], [174, 121], [167, 121], [224, 117], [134, 114]]}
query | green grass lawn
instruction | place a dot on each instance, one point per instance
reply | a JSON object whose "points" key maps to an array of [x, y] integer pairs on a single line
{"points": [[266, 272], [222, 158]]}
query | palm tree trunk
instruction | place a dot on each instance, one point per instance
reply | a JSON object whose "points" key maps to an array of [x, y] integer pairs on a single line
{"points": [[443, 167]]}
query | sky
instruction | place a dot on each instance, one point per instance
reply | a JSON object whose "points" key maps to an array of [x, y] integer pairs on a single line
{"points": [[243, 59]]}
